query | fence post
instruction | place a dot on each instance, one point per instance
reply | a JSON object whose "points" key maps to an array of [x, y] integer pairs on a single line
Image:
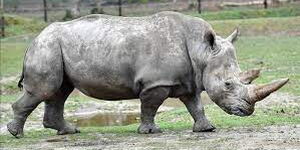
{"points": [[45, 11], [120, 7], [265, 4], [2, 23], [199, 6]]}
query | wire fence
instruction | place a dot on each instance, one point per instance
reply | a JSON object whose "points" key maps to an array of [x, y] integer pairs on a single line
{"points": [[57, 11]]}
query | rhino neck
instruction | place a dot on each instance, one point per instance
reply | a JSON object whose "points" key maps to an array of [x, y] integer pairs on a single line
{"points": [[197, 58]]}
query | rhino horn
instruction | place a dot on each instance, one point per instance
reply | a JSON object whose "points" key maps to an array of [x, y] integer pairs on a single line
{"points": [[259, 92], [233, 37], [248, 76]]}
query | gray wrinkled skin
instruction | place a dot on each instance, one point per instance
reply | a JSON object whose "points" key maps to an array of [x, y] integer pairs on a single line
{"points": [[152, 58]]}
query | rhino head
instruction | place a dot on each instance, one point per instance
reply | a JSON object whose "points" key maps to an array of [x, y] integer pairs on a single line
{"points": [[224, 82]]}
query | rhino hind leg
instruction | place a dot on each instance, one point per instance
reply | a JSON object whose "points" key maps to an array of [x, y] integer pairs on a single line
{"points": [[54, 110], [22, 109], [196, 109], [150, 102]]}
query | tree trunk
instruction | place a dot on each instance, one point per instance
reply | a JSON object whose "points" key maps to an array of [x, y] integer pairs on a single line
{"points": [[45, 11]]}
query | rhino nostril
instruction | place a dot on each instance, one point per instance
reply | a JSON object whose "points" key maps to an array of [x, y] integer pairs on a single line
{"points": [[227, 83]]}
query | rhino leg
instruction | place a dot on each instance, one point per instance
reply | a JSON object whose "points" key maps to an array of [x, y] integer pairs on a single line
{"points": [[194, 106], [22, 109], [151, 100], [54, 110]]}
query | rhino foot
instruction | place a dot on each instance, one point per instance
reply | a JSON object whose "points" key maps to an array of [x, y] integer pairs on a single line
{"points": [[203, 127], [15, 128], [68, 129], [64, 128], [148, 129]]}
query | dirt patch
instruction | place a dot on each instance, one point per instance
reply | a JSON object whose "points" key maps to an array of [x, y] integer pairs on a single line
{"points": [[271, 137]]}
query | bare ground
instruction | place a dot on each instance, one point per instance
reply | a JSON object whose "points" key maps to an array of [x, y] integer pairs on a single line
{"points": [[271, 137]]}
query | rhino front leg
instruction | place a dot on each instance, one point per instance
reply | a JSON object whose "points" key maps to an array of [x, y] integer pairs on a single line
{"points": [[22, 109], [195, 107], [54, 111], [151, 100]]}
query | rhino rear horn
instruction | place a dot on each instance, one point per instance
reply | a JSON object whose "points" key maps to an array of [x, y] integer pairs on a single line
{"points": [[248, 76], [260, 92], [233, 37]]}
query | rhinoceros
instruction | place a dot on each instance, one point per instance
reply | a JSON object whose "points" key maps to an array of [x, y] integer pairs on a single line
{"points": [[150, 58]]}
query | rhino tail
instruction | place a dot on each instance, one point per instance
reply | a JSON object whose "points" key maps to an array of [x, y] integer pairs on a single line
{"points": [[20, 85]]}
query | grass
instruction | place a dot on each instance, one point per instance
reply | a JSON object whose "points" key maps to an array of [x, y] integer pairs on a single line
{"points": [[16, 25], [258, 26], [278, 57], [174, 120], [293, 10]]}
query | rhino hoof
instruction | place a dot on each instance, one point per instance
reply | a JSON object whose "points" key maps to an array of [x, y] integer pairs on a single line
{"points": [[148, 129], [203, 128], [14, 128], [70, 130]]}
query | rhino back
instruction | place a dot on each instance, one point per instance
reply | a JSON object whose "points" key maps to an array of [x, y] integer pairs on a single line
{"points": [[115, 58]]}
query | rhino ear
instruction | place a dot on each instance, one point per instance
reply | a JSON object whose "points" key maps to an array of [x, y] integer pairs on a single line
{"points": [[210, 38]]}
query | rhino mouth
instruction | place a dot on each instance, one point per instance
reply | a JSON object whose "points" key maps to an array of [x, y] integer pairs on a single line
{"points": [[238, 111], [241, 112]]}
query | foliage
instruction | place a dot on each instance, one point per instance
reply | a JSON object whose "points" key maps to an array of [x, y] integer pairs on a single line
{"points": [[68, 15], [97, 11]]}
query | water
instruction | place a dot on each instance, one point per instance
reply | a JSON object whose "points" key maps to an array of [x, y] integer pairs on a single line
{"points": [[119, 117], [107, 119]]}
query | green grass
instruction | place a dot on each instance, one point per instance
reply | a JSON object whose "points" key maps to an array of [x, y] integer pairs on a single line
{"points": [[258, 26], [11, 57], [293, 10], [16, 25], [278, 57]]}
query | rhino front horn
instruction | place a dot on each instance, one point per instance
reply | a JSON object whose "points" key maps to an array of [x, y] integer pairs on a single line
{"points": [[258, 93], [248, 76]]}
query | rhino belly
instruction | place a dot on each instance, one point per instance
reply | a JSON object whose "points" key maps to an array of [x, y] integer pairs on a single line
{"points": [[106, 93], [102, 81]]}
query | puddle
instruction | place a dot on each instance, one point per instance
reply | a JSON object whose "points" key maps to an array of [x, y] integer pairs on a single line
{"points": [[127, 112], [107, 119]]}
